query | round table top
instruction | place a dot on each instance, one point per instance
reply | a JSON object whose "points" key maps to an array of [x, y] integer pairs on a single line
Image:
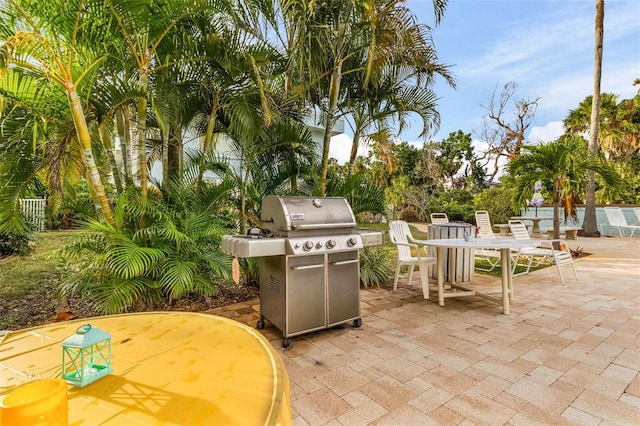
{"points": [[169, 368], [538, 218], [488, 243]]}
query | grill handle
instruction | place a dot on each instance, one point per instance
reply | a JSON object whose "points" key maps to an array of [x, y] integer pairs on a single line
{"points": [[344, 262], [300, 268], [303, 226]]}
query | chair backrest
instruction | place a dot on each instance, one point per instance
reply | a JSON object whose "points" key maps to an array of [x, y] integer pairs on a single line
{"points": [[399, 232], [519, 230], [483, 223], [437, 218], [615, 216]]}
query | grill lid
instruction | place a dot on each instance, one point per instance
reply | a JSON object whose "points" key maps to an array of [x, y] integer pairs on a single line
{"points": [[283, 215]]}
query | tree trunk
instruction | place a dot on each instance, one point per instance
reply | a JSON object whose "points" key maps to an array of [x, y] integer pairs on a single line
{"points": [[108, 146], [354, 150], [334, 94], [208, 145], [589, 225], [100, 200], [556, 219], [142, 136], [175, 158], [165, 158], [124, 133]]}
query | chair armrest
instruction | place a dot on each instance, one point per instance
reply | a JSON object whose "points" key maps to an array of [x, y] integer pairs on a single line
{"points": [[548, 244], [406, 244], [419, 242]]}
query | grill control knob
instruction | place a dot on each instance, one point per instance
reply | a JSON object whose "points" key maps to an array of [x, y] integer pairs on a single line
{"points": [[331, 243], [308, 245], [352, 242], [319, 245]]}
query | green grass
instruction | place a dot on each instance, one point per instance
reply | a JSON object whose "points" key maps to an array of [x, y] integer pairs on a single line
{"points": [[497, 271], [28, 283], [420, 235]]}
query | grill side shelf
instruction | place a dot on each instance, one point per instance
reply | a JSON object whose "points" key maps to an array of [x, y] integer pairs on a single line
{"points": [[252, 247]]}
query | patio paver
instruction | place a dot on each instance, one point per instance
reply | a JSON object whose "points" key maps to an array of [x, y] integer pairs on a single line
{"points": [[565, 355]]}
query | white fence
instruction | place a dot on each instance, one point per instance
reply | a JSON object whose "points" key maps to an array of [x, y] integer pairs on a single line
{"points": [[33, 211]]}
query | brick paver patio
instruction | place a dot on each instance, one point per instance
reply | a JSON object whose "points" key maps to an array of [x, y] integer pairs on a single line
{"points": [[565, 355]]}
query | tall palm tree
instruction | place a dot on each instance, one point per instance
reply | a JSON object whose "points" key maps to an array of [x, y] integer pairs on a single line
{"points": [[54, 42], [590, 226], [326, 41], [393, 96], [153, 34], [564, 164], [618, 129]]}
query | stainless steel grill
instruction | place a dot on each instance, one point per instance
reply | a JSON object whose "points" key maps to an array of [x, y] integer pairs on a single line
{"points": [[310, 267]]}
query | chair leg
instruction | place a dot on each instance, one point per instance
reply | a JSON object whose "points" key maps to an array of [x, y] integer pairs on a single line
{"points": [[575, 274], [528, 265], [410, 275], [395, 281], [560, 272]]}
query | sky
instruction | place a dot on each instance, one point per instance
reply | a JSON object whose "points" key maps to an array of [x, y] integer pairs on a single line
{"points": [[545, 46]]}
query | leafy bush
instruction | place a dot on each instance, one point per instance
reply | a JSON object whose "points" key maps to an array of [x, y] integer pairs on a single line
{"points": [[457, 204], [497, 201], [374, 266], [15, 243], [160, 250]]}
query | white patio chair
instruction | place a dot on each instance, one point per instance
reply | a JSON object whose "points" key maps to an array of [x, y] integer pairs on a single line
{"points": [[484, 231], [411, 253], [483, 224], [439, 218], [617, 222], [540, 251], [636, 210]]}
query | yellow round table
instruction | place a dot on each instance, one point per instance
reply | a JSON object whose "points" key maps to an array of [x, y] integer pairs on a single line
{"points": [[169, 368]]}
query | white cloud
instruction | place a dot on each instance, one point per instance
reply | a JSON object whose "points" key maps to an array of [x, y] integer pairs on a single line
{"points": [[551, 131], [340, 148]]}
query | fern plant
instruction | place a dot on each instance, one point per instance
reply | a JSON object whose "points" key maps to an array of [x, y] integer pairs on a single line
{"points": [[156, 251]]}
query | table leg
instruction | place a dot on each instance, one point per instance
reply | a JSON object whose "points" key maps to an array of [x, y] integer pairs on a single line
{"points": [[512, 293], [451, 269], [506, 277], [440, 263], [536, 227], [424, 279]]}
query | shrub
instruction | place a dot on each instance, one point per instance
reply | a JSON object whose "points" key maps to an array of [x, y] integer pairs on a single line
{"points": [[374, 266], [497, 201], [15, 243], [157, 251], [457, 204]]}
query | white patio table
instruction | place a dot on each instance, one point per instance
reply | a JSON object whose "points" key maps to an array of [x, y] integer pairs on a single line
{"points": [[505, 245], [535, 229]]}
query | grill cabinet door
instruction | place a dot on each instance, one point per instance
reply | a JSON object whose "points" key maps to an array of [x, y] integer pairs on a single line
{"points": [[305, 294], [344, 287]]}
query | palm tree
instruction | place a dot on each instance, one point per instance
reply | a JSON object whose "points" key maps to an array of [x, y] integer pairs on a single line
{"points": [[327, 41], [156, 36], [563, 164], [618, 129], [392, 96], [55, 44], [590, 226]]}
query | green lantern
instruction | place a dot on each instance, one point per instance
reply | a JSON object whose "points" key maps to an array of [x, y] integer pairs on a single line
{"points": [[86, 356]]}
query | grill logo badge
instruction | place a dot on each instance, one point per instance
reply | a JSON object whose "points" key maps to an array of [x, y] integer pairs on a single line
{"points": [[297, 216]]}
